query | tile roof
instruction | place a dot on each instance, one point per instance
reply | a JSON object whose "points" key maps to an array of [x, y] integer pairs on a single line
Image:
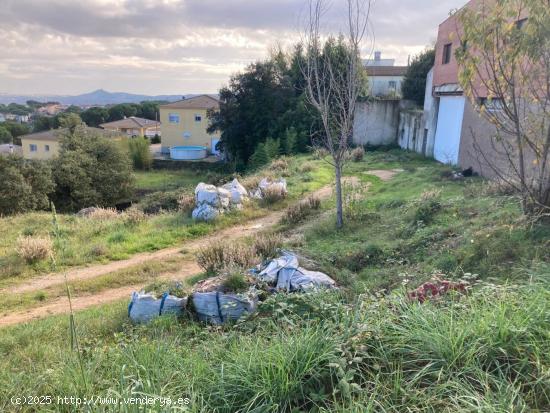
{"points": [[386, 70], [55, 134], [130, 123], [196, 102]]}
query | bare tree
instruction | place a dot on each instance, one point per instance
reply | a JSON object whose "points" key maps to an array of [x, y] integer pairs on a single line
{"points": [[334, 78], [505, 71]]}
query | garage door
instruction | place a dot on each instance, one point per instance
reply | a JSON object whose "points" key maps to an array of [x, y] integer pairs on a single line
{"points": [[449, 129]]}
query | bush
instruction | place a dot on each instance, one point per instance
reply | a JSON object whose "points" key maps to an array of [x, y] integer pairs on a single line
{"points": [[298, 212], [320, 153], [134, 216], [266, 245], [91, 170], [357, 260], [25, 185], [251, 182], [155, 139], [33, 249], [306, 167], [427, 206], [103, 214], [273, 194], [160, 201], [280, 164], [99, 250], [235, 282], [358, 154], [186, 203], [219, 255], [140, 154]]}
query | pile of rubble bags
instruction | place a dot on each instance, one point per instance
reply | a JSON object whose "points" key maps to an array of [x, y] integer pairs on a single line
{"points": [[285, 274], [144, 307], [213, 303], [267, 184], [211, 201]]}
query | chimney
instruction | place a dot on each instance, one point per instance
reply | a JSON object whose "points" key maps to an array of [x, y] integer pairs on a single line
{"points": [[377, 56]]}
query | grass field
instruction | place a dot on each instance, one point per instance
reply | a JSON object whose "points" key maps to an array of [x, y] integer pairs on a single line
{"points": [[363, 348]]}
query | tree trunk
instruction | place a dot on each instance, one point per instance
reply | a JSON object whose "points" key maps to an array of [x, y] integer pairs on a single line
{"points": [[339, 206]]}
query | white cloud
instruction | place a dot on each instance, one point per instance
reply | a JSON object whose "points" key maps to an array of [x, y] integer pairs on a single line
{"points": [[172, 46]]}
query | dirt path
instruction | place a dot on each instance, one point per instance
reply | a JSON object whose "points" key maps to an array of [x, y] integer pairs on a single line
{"points": [[186, 269]]}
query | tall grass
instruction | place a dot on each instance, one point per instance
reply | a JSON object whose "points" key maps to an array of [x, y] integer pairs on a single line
{"points": [[140, 154]]}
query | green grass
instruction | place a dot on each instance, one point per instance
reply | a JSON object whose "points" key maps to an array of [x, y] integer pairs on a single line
{"points": [[166, 180], [363, 348]]}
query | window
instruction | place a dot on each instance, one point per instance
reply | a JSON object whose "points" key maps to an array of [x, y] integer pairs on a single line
{"points": [[173, 118], [491, 104], [47, 148], [447, 49], [393, 85], [198, 118], [33, 147]]}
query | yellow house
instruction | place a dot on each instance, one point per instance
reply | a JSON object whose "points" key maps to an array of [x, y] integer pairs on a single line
{"points": [[184, 123], [133, 126], [45, 145]]}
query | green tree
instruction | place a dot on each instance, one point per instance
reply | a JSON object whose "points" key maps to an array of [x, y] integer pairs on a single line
{"points": [[26, 185], [91, 170], [42, 123], [5, 135], [414, 84], [260, 157], [95, 116]]}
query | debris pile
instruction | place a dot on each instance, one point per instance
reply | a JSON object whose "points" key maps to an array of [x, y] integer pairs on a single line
{"points": [[211, 201], [213, 303], [436, 288]]}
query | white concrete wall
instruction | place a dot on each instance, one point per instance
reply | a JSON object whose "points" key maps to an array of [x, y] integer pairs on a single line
{"points": [[380, 85], [376, 122]]}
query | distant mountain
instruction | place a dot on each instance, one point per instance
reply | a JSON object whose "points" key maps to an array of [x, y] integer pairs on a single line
{"points": [[98, 97]]}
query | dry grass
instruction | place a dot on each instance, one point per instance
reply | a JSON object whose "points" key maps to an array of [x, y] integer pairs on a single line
{"points": [[186, 203], [320, 153], [298, 212], [273, 194], [134, 216], [251, 182], [266, 246], [219, 255], [280, 164], [306, 167], [103, 214], [358, 154], [33, 249]]}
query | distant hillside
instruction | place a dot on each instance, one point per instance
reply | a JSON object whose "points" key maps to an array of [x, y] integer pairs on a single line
{"points": [[98, 97]]}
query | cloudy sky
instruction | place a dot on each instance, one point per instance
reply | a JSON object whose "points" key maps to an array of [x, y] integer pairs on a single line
{"points": [[173, 46]]}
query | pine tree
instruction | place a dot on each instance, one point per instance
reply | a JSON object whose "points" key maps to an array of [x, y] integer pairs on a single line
{"points": [[272, 147], [259, 158]]}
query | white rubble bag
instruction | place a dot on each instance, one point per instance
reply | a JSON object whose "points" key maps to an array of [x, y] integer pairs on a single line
{"points": [[238, 193], [205, 212], [218, 308], [284, 273], [145, 307]]}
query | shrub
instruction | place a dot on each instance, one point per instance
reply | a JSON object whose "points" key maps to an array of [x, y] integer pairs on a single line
{"points": [[298, 212], [306, 167], [266, 245], [320, 153], [91, 170], [134, 216], [99, 250], [140, 154], [186, 203], [280, 164], [427, 206], [273, 194], [219, 255], [358, 154], [251, 182], [25, 185], [357, 260], [235, 282], [159, 201], [33, 249], [103, 214]]}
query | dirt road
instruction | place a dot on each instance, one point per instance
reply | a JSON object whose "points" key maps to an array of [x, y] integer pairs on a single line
{"points": [[188, 267]]}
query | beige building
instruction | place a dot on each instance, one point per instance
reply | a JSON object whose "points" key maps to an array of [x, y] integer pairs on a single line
{"points": [[184, 123], [45, 145], [133, 126]]}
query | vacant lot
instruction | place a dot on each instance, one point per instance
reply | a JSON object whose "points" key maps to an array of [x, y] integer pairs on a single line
{"points": [[366, 347]]}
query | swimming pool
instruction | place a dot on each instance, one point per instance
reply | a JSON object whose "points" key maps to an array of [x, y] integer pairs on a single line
{"points": [[188, 153]]}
